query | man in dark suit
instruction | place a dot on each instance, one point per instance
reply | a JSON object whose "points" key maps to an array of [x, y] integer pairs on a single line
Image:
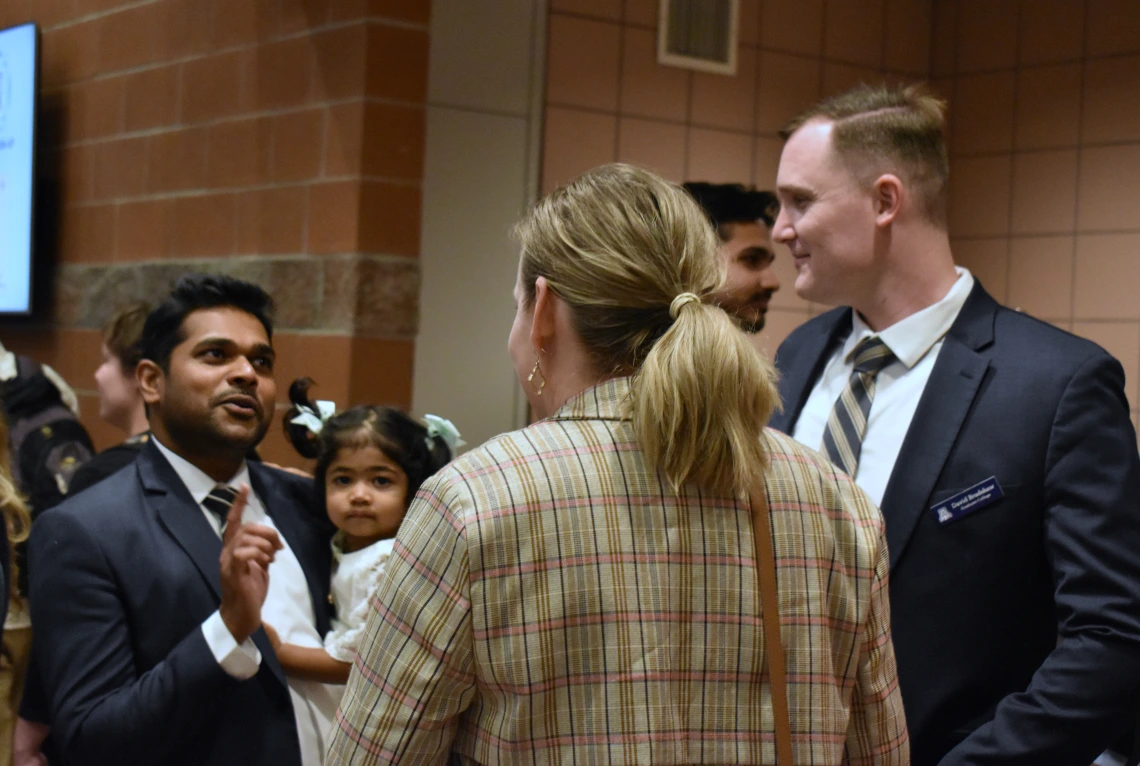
{"points": [[148, 589], [999, 448]]}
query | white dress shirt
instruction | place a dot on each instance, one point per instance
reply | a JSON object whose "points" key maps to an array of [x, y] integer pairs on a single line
{"points": [[916, 342], [288, 608]]}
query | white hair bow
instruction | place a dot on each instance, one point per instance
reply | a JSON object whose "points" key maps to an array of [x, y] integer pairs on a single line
{"points": [[315, 420], [442, 428]]}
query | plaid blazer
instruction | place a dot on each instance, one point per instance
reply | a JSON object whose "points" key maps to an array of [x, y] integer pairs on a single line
{"points": [[550, 601]]}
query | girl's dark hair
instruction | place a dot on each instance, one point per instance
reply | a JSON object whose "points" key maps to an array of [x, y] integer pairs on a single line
{"points": [[403, 440]]}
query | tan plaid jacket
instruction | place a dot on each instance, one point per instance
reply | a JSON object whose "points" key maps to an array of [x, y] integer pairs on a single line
{"points": [[549, 601]]}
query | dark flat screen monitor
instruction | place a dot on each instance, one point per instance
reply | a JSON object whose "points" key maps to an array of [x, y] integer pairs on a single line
{"points": [[19, 55]]}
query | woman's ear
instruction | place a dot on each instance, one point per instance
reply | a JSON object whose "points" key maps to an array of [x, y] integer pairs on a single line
{"points": [[888, 197], [151, 380], [542, 327]]}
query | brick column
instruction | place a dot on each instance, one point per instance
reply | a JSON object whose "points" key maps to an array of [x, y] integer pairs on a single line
{"points": [[279, 141]]}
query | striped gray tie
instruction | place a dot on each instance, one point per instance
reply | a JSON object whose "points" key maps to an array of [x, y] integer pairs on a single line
{"points": [[843, 437], [219, 502]]}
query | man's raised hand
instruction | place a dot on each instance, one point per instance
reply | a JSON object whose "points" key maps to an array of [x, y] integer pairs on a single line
{"points": [[247, 552]]}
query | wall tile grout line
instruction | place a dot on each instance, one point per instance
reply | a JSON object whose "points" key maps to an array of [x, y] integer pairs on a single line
{"points": [[756, 103], [616, 155], [191, 58], [276, 37], [1012, 162], [885, 30], [994, 153], [220, 191], [95, 15], [1041, 234], [1080, 163], [288, 111], [191, 261]]}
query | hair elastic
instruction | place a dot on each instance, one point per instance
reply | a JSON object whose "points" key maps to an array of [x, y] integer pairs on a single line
{"points": [[680, 301]]}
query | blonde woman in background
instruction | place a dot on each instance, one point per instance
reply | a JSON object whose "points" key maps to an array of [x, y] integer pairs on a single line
{"points": [[586, 590], [17, 626]]}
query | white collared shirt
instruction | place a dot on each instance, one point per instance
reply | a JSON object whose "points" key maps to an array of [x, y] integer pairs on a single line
{"points": [[916, 342], [288, 608]]}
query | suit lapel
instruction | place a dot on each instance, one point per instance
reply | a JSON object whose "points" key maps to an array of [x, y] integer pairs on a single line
{"points": [[953, 384], [180, 515], [185, 522], [942, 410], [808, 363]]}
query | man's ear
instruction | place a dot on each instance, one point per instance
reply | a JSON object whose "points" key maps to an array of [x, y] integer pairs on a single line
{"points": [[151, 380], [887, 197], [542, 326]]}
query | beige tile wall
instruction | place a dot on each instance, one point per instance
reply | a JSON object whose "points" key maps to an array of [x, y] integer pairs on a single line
{"points": [[484, 119], [1044, 129], [227, 136], [607, 98], [1045, 159]]}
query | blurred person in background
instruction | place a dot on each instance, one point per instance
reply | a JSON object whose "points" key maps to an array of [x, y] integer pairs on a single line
{"points": [[743, 220], [121, 405], [46, 441], [120, 400], [17, 626]]}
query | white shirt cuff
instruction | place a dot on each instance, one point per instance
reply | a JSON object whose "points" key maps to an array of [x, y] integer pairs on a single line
{"points": [[239, 660]]}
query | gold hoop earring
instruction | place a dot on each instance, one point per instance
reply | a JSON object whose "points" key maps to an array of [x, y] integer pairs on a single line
{"points": [[537, 370]]}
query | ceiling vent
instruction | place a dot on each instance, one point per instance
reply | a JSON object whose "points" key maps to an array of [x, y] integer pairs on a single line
{"points": [[698, 34]]}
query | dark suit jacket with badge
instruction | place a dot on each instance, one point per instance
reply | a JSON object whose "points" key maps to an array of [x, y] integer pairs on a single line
{"points": [[123, 576], [978, 603]]}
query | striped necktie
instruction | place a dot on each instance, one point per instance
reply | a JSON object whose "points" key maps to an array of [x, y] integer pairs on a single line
{"points": [[219, 502], [843, 437]]}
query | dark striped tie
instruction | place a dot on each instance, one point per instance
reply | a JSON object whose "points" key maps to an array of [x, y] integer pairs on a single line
{"points": [[219, 502], [843, 437]]}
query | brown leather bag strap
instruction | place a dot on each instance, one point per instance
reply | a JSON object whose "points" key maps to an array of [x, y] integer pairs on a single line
{"points": [[770, 611]]}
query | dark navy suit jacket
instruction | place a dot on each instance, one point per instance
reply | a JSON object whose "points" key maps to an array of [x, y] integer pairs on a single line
{"points": [[123, 576], [978, 603]]}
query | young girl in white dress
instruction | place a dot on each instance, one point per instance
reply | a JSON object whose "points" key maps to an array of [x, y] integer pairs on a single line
{"points": [[370, 463]]}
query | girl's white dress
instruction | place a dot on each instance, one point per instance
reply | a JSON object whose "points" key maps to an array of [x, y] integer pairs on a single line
{"points": [[354, 582]]}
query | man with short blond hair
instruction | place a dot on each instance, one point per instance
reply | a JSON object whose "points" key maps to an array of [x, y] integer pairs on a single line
{"points": [[999, 448]]}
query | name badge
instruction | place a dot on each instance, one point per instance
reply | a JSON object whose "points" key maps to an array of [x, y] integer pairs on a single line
{"points": [[978, 496]]}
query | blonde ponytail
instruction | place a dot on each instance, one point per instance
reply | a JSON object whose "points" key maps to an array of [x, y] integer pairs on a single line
{"points": [[701, 399], [623, 248]]}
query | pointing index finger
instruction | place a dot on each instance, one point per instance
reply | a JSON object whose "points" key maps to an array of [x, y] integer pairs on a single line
{"points": [[233, 518]]}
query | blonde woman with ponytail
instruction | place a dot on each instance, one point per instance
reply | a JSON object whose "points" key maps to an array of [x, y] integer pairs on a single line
{"points": [[588, 589]]}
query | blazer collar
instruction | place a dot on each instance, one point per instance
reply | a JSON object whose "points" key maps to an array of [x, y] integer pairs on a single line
{"points": [[954, 384], [605, 401], [182, 517], [974, 326]]}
